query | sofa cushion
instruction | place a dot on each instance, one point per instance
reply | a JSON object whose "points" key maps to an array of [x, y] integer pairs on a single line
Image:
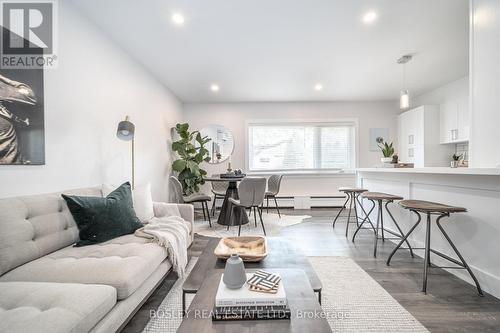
{"points": [[123, 263], [101, 219], [33, 226], [53, 307], [142, 198]]}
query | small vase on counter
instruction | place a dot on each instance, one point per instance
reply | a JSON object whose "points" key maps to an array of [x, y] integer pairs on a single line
{"points": [[387, 150], [455, 159], [234, 273]]}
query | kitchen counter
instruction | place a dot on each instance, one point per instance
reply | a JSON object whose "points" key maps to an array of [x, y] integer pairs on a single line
{"points": [[476, 233], [437, 170]]}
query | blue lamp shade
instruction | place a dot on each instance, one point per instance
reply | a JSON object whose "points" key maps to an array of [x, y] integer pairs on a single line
{"points": [[125, 130]]}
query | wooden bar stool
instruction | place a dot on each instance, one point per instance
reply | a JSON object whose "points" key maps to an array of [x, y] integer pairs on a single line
{"points": [[441, 210], [352, 194], [382, 198]]}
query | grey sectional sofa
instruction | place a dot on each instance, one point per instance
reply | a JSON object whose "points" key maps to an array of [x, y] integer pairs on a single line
{"points": [[47, 285]]}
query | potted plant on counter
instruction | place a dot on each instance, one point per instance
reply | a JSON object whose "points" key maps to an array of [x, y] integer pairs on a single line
{"points": [[387, 150], [454, 160]]}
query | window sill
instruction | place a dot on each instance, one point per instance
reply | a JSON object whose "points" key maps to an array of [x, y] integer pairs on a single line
{"points": [[331, 173]]}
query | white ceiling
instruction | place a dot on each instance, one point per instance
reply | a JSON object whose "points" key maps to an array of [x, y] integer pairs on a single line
{"points": [[276, 50]]}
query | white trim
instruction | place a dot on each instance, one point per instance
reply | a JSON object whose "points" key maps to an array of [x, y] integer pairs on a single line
{"points": [[307, 173], [302, 121], [472, 24], [435, 170], [340, 121]]}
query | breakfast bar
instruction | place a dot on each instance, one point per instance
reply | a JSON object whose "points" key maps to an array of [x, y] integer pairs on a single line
{"points": [[476, 233]]}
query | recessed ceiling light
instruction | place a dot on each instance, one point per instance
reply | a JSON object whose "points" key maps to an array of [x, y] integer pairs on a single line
{"points": [[369, 17], [178, 19], [214, 87], [318, 87]]}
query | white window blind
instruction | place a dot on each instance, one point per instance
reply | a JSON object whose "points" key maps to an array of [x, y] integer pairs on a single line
{"points": [[281, 146]]}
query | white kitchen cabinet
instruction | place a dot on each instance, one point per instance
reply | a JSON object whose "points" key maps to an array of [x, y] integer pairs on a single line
{"points": [[419, 138], [454, 120], [402, 151], [448, 121], [463, 119]]}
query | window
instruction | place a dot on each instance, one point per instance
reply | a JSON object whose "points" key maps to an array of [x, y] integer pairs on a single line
{"points": [[300, 146]]}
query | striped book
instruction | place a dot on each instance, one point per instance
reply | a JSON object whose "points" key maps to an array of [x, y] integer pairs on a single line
{"points": [[264, 280], [257, 289], [251, 313], [226, 297]]}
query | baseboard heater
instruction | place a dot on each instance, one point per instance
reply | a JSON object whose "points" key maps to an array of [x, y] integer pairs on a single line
{"points": [[303, 202]]}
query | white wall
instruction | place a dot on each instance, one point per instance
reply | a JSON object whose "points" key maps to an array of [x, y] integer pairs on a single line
{"points": [[485, 83], [455, 90], [94, 87], [234, 115]]}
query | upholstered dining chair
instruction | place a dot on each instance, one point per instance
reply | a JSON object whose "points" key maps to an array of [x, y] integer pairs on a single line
{"points": [[273, 188], [219, 190], [251, 195], [191, 199]]}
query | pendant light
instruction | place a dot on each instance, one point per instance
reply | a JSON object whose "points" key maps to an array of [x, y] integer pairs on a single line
{"points": [[404, 97], [404, 100]]}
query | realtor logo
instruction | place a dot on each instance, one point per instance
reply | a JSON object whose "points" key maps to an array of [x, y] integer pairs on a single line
{"points": [[28, 34]]}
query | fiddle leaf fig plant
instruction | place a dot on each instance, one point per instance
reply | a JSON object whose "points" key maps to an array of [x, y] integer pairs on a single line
{"points": [[386, 148], [192, 152]]}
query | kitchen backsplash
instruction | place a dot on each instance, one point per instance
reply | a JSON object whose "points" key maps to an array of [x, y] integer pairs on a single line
{"points": [[462, 149]]}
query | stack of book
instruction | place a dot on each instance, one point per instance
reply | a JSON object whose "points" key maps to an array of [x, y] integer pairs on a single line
{"points": [[263, 297]]}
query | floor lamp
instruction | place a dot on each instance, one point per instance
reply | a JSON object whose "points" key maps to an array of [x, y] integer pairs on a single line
{"points": [[125, 132]]}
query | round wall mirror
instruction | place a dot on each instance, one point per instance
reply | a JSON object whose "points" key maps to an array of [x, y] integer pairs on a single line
{"points": [[221, 145]]}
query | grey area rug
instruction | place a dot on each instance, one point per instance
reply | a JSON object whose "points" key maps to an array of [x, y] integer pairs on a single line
{"points": [[352, 300], [272, 223]]}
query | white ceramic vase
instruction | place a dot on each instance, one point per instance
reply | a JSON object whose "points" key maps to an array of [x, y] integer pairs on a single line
{"points": [[386, 159]]}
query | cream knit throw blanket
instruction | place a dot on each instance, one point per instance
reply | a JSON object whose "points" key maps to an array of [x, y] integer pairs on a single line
{"points": [[172, 233]]}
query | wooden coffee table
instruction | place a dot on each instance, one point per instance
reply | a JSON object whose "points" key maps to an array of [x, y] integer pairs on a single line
{"points": [[307, 315], [282, 254]]}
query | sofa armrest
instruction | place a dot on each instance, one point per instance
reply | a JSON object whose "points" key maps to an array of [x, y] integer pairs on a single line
{"points": [[185, 210]]}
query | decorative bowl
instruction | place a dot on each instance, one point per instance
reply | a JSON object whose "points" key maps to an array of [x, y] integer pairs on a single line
{"points": [[249, 248]]}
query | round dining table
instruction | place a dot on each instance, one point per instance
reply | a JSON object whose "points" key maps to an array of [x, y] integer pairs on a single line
{"points": [[239, 215]]}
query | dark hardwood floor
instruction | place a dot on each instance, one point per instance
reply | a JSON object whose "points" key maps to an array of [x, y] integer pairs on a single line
{"points": [[451, 305]]}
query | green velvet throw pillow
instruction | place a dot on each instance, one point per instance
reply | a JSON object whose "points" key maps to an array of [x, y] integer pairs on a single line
{"points": [[101, 219]]}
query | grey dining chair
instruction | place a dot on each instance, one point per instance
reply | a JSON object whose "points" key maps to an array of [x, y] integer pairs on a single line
{"points": [[273, 188], [191, 199], [251, 194], [219, 190]]}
